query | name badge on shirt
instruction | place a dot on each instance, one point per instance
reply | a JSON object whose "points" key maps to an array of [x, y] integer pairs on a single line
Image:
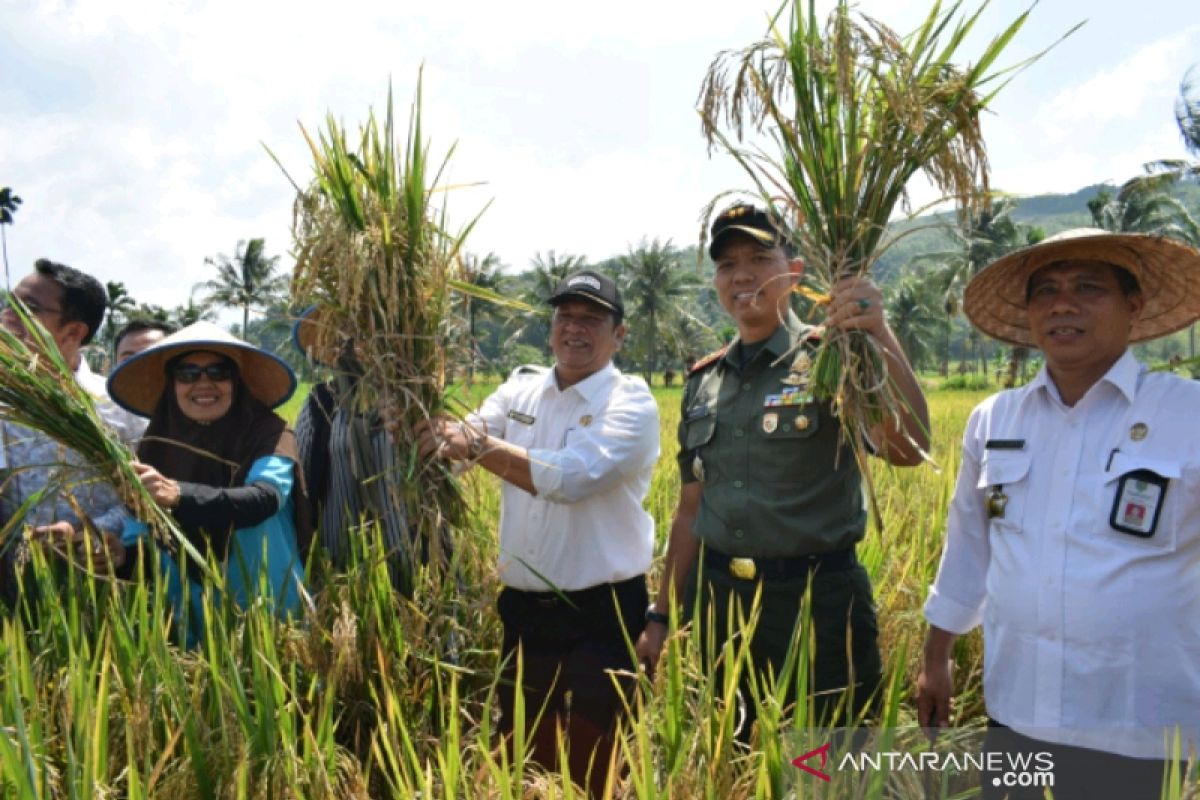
{"points": [[1139, 501], [524, 419]]}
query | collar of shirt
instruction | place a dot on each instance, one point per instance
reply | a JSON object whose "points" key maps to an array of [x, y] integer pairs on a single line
{"points": [[92, 383], [590, 388], [1123, 375], [778, 344]]}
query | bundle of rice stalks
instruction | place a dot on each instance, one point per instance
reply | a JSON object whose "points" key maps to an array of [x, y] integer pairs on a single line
{"points": [[374, 253], [38, 390], [853, 112]]}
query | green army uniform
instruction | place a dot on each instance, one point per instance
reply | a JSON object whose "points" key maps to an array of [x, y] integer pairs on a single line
{"points": [[782, 501]]}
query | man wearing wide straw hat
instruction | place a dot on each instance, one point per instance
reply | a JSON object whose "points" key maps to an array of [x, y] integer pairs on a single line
{"points": [[1074, 533]]}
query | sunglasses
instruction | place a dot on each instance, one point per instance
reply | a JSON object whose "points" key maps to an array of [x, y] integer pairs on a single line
{"points": [[190, 373]]}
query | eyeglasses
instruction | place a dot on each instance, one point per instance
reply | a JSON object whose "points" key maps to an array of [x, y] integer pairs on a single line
{"points": [[190, 373], [34, 307]]}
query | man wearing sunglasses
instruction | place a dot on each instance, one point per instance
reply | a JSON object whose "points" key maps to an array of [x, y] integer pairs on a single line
{"points": [[70, 306]]}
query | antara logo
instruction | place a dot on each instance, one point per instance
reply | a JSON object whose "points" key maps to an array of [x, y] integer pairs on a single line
{"points": [[823, 752]]}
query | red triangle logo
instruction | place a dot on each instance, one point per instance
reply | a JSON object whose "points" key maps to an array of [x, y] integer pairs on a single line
{"points": [[823, 752]]}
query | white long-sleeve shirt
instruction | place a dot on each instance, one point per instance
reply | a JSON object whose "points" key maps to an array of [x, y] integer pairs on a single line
{"points": [[1091, 635], [592, 449]]}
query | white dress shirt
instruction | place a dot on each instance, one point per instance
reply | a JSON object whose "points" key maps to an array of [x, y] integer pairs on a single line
{"points": [[592, 449], [1091, 635]]}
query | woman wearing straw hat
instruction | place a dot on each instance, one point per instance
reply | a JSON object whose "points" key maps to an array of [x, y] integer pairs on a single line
{"points": [[1074, 533], [221, 460]]}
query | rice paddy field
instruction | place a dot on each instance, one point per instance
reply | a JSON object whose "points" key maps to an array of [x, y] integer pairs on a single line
{"points": [[371, 696]]}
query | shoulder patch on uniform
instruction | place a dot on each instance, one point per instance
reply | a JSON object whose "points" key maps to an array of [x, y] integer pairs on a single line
{"points": [[709, 359]]}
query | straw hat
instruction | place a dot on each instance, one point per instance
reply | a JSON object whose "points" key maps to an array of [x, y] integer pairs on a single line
{"points": [[305, 335], [1167, 271], [138, 383]]}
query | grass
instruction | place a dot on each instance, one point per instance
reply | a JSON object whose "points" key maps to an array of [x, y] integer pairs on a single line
{"points": [[374, 696]]}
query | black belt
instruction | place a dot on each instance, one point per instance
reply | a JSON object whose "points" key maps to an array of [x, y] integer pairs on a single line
{"points": [[580, 599], [779, 569]]}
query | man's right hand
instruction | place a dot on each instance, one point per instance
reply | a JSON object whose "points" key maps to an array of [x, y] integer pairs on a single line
{"points": [[935, 684], [650, 645]]}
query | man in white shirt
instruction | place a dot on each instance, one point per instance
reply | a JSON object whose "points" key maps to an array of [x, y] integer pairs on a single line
{"points": [[1074, 533], [575, 446], [70, 305]]}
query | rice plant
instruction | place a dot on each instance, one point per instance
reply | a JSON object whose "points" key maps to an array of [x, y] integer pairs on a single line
{"points": [[374, 252]]}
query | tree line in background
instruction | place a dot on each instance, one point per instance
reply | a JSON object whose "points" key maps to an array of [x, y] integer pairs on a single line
{"points": [[673, 314]]}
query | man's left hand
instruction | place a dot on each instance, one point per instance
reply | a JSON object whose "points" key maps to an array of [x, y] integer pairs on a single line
{"points": [[856, 304]]}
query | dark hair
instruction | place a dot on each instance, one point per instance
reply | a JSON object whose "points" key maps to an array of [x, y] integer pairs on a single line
{"points": [[139, 325], [1127, 282], [84, 299]]}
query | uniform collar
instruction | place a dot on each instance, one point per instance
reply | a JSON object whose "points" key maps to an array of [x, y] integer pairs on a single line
{"points": [[591, 386], [1122, 376], [779, 343]]}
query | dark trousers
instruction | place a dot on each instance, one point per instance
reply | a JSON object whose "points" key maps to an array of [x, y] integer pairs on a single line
{"points": [[846, 669], [571, 645], [1078, 773]]}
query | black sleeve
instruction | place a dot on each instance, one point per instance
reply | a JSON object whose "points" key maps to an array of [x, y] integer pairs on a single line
{"points": [[218, 511]]}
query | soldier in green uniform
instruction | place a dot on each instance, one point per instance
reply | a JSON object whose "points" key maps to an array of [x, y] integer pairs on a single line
{"points": [[770, 495]]}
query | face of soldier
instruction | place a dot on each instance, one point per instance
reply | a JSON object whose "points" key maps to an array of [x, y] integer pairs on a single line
{"points": [[583, 338], [753, 284], [1079, 317]]}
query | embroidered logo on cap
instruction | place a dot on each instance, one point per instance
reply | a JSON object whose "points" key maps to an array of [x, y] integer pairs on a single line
{"points": [[586, 280]]}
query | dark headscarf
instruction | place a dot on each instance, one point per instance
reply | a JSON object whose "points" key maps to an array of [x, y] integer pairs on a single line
{"points": [[220, 453]]}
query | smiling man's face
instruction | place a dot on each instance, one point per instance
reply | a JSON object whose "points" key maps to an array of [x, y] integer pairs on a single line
{"points": [[1080, 317]]}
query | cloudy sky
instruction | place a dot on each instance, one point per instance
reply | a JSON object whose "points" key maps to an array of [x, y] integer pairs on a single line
{"points": [[135, 129]]}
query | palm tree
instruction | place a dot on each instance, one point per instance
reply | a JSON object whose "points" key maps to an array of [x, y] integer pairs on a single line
{"points": [[1141, 207], [982, 239], [248, 280], [653, 281], [915, 317], [484, 273], [8, 207], [190, 313], [548, 271], [120, 306]]}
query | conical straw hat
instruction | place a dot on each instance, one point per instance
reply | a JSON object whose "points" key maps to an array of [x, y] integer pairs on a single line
{"points": [[1167, 271], [137, 384]]}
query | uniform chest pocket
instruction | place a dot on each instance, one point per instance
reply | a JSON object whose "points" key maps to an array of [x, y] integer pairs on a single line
{"points": [[1004, 482], [1140, 502], [699, 430]]}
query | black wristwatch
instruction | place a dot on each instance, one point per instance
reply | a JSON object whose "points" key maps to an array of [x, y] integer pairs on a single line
{"points": [[654, 615]]}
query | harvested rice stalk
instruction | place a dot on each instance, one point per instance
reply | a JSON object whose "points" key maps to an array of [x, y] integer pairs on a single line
{"points": [[374, 253], [853, 112], [38, 390]]}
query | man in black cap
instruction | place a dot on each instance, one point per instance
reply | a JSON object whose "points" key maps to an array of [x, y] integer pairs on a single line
{"points": [[575, 445], [769, 487]]}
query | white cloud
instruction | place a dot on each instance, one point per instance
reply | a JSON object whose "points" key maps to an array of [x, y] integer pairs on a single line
{"points": [[134, 128]]}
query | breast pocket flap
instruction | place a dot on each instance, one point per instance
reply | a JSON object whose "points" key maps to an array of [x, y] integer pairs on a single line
{"points": [[1002, 468]]}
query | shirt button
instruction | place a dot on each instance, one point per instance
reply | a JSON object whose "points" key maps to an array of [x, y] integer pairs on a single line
{"points": [[738, 484], [739, 533], [745, 387], [739, 433]]}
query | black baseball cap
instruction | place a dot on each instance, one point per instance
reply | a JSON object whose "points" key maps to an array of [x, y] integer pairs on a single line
{"points": [[587, 284], [747, 219]]}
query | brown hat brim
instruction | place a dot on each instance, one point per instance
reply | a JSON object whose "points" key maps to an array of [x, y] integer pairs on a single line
{"points": [[1166, 271], [137, 384]]}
